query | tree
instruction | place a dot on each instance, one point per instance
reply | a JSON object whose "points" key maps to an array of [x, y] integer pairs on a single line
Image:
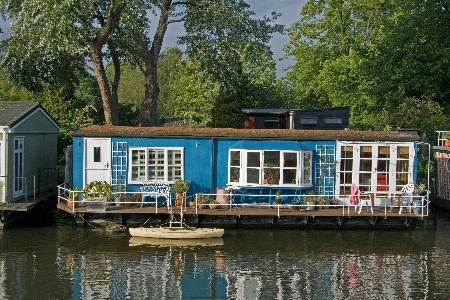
{"points": [[409, 57], [69, 32], [329, 44], [215, 30]]}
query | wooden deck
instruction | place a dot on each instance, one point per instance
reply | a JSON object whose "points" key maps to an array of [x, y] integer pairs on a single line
{"points": [[248, 210], [25, 204]]}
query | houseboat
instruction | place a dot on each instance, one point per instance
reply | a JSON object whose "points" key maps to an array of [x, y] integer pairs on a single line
{"points": [[247, 169], [28, 157]]}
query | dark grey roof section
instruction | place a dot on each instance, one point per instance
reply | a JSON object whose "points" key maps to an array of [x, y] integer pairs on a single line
{"points": [[232, 133], [266, 111], [12, 112]]}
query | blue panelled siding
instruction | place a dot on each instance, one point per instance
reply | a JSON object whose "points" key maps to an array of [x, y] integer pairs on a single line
{"points": [[205, 171], [206, 161]]}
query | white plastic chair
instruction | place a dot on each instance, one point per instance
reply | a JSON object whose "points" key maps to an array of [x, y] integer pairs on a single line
{"points": [[407, 197], [357, 200]]}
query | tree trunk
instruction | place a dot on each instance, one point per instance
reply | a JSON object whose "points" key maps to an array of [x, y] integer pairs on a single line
{"points": [[150, 57], [111, 114], [110, 103]]}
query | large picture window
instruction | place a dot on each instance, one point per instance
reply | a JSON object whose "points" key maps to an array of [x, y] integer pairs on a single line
{"points": [[155, 164], [269, 167]]}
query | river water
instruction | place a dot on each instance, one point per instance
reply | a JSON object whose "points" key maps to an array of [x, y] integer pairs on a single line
{"points": [[65, 262]]}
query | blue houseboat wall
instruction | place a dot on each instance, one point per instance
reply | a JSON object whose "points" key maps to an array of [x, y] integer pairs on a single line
{"points": [[207, 158]]}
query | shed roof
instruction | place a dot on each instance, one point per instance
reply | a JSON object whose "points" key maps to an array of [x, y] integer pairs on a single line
{"points": [[13, 112], [232, 133]]}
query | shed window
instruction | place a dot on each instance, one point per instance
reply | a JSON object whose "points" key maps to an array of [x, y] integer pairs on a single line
{"points": [[155, 164], [269, 167], [332, 121], [308, 120], [271, 123]]}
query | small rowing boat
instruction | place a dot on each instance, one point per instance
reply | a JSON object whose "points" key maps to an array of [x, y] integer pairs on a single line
{"points": [[176, 232], [138, 241]]}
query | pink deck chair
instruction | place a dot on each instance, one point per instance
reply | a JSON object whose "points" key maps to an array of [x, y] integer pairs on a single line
{"points": [[355, 199]]}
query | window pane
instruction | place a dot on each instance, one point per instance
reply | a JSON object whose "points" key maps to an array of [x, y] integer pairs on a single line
{"points": [[253, 176], [308, 121], [346, 151], [272, 157], [138, 157], [366, 165], [253, 159], [173, 173], [235, 174], [289, 176], [403, 152], [365, 178], [366, 151], [97, 152], [331, 120], [290, 160], [402, 165], [138, 173], [383, 152], [235, 158]]}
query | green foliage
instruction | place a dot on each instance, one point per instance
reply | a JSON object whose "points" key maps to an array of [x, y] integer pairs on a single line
{"points": [[180, 186], [97, 189], [410, 114], [373, 56]]}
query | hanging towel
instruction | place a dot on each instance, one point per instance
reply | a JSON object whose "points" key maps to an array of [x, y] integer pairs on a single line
{"points": [[354, 195]]}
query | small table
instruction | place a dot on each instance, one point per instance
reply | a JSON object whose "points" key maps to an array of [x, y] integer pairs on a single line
{"points": [[388, 194]]}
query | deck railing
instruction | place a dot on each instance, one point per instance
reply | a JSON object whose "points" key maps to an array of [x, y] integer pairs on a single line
{"points": [[408, 203], [30, 185]]}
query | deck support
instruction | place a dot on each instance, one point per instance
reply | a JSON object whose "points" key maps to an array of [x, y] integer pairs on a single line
{"points": [[340, 219], [373, 220]]}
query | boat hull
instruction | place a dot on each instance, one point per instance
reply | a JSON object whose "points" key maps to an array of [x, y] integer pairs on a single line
{"points": [[176, 232], [140, 241]]}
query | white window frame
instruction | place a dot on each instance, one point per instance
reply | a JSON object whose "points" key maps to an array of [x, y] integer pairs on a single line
{"points": [[164, 165], [19, 180], [393, 146], [243, 169]]}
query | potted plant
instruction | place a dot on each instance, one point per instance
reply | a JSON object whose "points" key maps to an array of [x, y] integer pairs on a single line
{"points": [[213, 203], [334, 203], [74, 196], [278, 197], [203, 200], [419, 188], [271, 173], [310, 201], [118, 198], [321, 201], [97, 193], [446, 138], [179, 187]]}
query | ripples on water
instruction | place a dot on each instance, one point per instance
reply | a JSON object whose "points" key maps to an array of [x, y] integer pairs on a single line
{"points": [[63, 262]]}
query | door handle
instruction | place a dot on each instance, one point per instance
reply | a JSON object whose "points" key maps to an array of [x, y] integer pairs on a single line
{"points": [[107, 165]]}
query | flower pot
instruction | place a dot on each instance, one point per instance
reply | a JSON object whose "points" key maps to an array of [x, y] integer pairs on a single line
{"points": [[178, 199], [72, 203], [310, 205], [96, 204], [118, 200], [446, 143], [417, 207]]}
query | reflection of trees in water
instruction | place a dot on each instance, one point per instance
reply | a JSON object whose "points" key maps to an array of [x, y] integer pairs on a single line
{"points": [[297, 264]]}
